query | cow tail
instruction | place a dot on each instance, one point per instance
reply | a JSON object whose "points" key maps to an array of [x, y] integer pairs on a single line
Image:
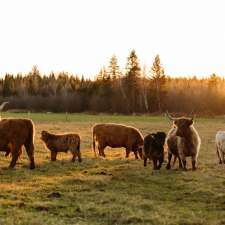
{"points": [[30, 139], [78, 146], [29, 144], [78, 151], [93, 142]]}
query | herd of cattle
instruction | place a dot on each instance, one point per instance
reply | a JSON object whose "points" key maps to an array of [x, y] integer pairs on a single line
{"points": [[182, 141]]}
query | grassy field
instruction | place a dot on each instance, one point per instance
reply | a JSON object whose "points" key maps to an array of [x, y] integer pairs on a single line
{"points": [[112, 190]]}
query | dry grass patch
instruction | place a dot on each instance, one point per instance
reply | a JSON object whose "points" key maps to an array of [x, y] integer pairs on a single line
{"points": [[112, 190]]}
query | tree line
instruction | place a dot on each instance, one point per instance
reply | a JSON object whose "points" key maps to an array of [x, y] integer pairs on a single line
{"points": [[134, 90]]}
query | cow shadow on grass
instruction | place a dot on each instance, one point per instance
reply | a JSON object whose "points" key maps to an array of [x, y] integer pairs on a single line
{"points": [[61, 167]]}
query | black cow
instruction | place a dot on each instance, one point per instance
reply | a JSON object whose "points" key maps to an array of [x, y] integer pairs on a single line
{"points": [[154, 149]]}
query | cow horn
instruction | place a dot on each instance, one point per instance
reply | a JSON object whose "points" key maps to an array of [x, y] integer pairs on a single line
{"points": [[3, 105], [169, 116], [192, 115]]}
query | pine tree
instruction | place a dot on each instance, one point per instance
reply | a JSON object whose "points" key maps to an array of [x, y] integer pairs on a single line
{"points": [[213, 81], [34, 81], [114, 71], [52, 83], [102, 75], [8, 85], [132, 78], [158, 77], [133, 69]]}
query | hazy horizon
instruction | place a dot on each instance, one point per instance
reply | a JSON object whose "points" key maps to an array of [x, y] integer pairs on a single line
{"points": [[80, 37]]}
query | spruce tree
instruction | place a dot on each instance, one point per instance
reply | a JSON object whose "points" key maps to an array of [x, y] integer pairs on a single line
{"points": [[132, 78], [158, 77], [114, 71]]}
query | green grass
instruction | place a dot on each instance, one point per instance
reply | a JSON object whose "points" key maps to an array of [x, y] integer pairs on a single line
{"points": [[112, 190], [79, 117]]}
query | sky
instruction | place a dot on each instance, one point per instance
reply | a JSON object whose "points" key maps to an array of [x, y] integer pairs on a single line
{"points": [[80, 36]]}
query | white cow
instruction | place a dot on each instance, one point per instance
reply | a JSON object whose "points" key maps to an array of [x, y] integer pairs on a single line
{"points": [[220, 146]]}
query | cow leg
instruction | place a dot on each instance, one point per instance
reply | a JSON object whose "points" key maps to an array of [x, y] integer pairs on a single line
{"points": [[102, 152], [218, 154], [182, 156], [15, 154], [53, 155], [180, 163], [101, 147], [93, 145], [74, 156], [127, 153], [193, 163], [79, 156], [30, 152], [174, 160], [136, 155], [160, 163], [140, 153], [76, 153], [8, 149], [155, 164], [20, 152], [7, 153], [184, 162], [168, 166], [183, 159], [223, 155], [145, 161]]}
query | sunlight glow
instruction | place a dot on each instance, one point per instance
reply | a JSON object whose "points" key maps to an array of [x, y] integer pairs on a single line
{"points": [[80, 36]]}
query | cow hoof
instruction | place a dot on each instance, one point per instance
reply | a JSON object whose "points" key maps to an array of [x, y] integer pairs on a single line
{"points": [[32, 167], [11, 167], [194, 169], [168, 167]]}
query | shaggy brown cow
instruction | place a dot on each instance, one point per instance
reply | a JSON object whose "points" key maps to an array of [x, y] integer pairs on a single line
{"points": [[14, 133], [183, 141], [62, 143], [117, 136]]}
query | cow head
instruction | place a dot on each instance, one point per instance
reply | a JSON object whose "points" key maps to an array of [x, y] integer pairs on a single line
{"points": [[44, 136], [160, 137], [182, 124]]}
